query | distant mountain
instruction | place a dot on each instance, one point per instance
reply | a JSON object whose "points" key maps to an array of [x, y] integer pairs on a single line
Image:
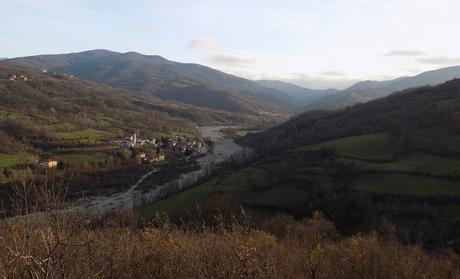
{"points": [[38, 110], [301, 96], [187, 83], [57, 103], [418, 108], [365, 91]]}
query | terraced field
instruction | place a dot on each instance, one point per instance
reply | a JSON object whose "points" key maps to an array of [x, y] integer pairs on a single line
{"points": [[282, 196], [237, 185], [419, 173], [417, 162], [369, 163], [375, 147], [8, 160], [437, 140], [82, 158], [408, 185], [84, 134]]}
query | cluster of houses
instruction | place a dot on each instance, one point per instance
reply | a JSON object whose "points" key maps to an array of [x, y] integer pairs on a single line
{"points": [[14, 77], [149, 158], [157, 148], [133, 142], [58, 74], [172, 143]]}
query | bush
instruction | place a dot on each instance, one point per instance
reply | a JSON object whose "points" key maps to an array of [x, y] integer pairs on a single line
{"points": [[69, 247]]}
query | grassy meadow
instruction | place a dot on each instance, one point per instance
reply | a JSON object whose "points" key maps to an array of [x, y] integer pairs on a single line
{"points": [[366, 163], [408, 185], [373, 147], [8, 160]]}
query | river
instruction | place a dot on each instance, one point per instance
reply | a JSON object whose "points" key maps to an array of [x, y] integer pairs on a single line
{"points": [[224, 148]]}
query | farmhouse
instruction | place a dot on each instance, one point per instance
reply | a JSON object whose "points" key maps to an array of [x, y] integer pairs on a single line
{"points": [[14, 77], [50, 163], [154, 158]]}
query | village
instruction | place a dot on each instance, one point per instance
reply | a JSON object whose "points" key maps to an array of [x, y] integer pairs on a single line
{"points": [[25, 78], [145, 151], [14, 77], [155, 150]]}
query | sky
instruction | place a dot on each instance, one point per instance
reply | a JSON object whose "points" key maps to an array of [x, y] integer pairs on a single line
{"points": [[313, 43]]}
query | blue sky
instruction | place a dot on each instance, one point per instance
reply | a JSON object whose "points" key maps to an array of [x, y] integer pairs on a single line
{"points": [[319, 44]]}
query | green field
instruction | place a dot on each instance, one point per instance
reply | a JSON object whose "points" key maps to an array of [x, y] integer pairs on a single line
{"points": [[84, 134], [449, 210], [245, 132], [2, 83], [375, 147], [62, 127], [89, 149], [235, 184], [417, 162], [82, 158], [437, 139], [285, 196], [376, 169], [7, 160], [408, 185]]}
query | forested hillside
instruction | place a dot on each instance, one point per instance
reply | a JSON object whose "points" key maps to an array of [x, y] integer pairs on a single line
{"points": [[430, 106], [50, 107], [301, 96], [369, 90], [180, 82], [391, 164]]}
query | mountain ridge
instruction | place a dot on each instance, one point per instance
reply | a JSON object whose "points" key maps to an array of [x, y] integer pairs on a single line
{"points": [[301, 95], [369, 90], [166, 79]]}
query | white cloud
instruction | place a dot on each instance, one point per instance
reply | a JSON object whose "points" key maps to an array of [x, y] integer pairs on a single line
{"points": [[405, 52], [144, 28], [313, 81], [440, 60], [321, 81], [234, 59], [332, 74], [202, 43]]}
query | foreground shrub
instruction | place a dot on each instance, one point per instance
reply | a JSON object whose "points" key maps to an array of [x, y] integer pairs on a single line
{"points": [[52, 246]]}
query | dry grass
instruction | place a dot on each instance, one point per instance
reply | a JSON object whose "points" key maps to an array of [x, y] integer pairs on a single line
{"points": [[69, 247]]}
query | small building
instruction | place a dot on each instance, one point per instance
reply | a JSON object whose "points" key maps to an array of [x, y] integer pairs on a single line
{"points": [[24, 78], [142, 155], [50, 163], [156, 158], [12, 77]]}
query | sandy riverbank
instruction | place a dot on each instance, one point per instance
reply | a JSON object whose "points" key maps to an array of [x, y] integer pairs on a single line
{"points": [[223, 149]]}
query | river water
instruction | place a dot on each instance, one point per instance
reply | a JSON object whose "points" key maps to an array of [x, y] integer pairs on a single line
{"points": [[224, 148]]}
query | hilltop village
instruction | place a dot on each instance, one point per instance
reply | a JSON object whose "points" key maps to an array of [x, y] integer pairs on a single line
{"points": [[24, 77]]}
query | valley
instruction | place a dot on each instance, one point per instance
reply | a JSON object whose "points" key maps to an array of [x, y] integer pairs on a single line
{"points": [[147, 189], [112, 150], [361, 170], [230, 139]]}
